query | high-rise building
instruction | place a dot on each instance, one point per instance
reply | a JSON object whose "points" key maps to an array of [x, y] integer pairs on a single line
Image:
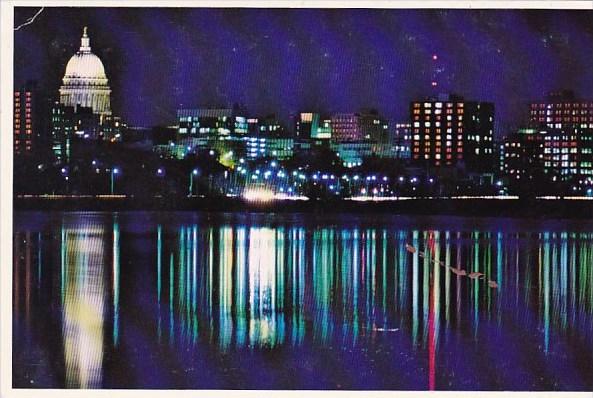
{"points": [[448, 131], [85, 83], [63, 125], [26, 127]]}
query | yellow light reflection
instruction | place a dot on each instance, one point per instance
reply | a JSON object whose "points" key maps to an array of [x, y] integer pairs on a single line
{"points": [[84, 301]]}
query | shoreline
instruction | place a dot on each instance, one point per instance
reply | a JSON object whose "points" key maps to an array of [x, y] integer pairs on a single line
{"points": [[468, 207]]}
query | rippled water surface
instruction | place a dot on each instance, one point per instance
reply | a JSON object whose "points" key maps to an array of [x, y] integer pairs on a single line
{"points": [[197, 300]]}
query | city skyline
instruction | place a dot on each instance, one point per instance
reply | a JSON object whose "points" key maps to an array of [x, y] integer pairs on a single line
{"points": [[366, 51], [300, 199]]}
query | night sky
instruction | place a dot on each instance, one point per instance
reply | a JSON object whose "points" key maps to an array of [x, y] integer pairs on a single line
{"points": [[286, 61]]}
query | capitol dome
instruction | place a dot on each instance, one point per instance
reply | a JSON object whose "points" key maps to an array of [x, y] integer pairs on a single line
{"points": [[85, 65], [85, 82]]}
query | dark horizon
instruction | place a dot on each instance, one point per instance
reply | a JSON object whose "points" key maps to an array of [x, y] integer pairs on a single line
{"points": [[338, 60]]}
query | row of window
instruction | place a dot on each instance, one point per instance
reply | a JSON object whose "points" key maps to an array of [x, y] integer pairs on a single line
{"points": [[563, 105], [438, 105]]}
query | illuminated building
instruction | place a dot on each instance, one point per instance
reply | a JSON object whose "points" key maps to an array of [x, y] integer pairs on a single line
{"points": [[561, 109], [324, 130], [241, 125], [307, 124], [66, 123], [376, 130], [252, 126], [352, 153], [449, 131], [196, 122], [113, 128], [558, 143], [565, 126], [229, 135], [62, 131], [26, 123], [556, 154], [280, 148], [85, 82], [271, 126], [402, 140], [311, 125], [518, 154], [86, 123], [85, 104], [346, 127]]}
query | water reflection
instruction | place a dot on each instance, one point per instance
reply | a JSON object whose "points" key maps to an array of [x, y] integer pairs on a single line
{"points": [[260, 286], [83, 260]]}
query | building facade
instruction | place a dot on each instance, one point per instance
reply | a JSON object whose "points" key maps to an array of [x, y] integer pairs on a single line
{"points": [[557, 145], [63, 125], [346, 127], [401, 141], [199, 122], [26, 124], [559, 110], [450, 131]]}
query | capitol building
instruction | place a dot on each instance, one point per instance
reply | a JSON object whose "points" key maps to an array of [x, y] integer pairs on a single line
{"points": [[85, 83], [84, 107]]}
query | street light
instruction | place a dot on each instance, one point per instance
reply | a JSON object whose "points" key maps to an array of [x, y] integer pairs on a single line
{"points": [[114, 171], [66, 178], [191, 181]]}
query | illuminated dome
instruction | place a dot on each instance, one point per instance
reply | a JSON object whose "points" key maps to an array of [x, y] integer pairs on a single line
{"points": [[85, 65], [85, 82]]}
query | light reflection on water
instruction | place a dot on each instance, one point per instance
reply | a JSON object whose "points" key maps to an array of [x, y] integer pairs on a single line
{"points": [[300, 291], [83, 299]]}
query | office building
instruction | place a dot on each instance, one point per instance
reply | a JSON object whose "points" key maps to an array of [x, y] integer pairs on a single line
{"points": [[450, 131]]}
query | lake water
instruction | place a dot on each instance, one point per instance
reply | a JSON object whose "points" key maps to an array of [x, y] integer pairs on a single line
{"points": [[248, 301]]}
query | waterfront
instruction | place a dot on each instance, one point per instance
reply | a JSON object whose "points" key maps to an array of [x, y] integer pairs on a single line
{"points": [[297, 301]]}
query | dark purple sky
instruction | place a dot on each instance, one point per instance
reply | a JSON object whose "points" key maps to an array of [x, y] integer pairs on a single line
{"points": [[285, 61]]}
